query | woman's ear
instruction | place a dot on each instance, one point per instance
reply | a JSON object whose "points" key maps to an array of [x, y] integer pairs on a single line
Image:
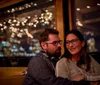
{"points": [[83, 43]]}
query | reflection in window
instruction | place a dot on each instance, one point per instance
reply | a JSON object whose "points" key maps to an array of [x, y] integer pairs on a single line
{"points": [[88, 22], [20, 27]]}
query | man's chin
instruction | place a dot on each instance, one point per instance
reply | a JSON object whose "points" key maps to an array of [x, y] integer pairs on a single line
{"points": [[58, 54]]}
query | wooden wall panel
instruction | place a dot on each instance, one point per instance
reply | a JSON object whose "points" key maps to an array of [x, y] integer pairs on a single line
{"points": [[59, 19], [12, 75], [11, 71]]}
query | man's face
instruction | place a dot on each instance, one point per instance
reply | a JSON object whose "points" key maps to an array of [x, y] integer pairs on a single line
{"points": [[53, 45]]}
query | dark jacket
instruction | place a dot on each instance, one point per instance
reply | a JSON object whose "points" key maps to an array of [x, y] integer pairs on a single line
{"points": [[41, 72]]}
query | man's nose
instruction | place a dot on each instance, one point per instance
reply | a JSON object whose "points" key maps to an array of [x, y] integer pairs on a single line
{"points": [[59, 44]]}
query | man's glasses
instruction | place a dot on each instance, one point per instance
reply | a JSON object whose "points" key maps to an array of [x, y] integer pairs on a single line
{"points": [[73, 41], [55, 43]]}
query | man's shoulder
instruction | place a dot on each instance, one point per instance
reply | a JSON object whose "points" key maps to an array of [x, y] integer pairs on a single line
{"points": [[38, 57]]}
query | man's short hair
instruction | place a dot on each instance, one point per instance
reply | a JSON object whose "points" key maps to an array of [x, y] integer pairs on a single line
{"points": [[44, 35]]}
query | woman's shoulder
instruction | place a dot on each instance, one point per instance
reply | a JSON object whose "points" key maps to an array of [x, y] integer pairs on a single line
{"points": [[63, 60], [94, 62], [92, 59]]}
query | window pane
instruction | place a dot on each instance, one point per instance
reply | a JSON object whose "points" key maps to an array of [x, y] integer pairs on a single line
{"points": [[21, 25], [88, 22]]}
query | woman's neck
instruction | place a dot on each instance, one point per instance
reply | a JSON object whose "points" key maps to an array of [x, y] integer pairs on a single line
{"points": [[75, 58]]}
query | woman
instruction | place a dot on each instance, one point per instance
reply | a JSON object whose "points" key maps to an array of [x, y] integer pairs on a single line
{"points": [[76, 64]]}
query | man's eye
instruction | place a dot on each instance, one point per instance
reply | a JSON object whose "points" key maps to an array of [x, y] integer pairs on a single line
{"points": [[54, 42], [68, 42]]}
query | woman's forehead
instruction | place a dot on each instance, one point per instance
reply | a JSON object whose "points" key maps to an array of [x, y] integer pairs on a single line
{"points": [[71, 36]]}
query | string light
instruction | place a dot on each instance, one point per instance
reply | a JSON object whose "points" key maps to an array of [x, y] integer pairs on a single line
{"points": [[18, 24], [14, 23]]}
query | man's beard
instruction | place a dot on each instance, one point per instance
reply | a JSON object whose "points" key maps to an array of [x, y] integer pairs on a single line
{"points": [[56, 54], [55, 57]]}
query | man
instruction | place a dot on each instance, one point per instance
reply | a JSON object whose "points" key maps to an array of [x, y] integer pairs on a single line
{"points": [[40, 69]]}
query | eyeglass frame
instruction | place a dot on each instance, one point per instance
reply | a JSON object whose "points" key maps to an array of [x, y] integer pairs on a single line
{"points": [[73, 41], [55, 43]]}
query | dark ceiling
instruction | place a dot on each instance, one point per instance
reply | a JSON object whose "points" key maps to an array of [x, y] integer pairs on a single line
{"points": [[89, 14], [5, 3], [89, 10]]}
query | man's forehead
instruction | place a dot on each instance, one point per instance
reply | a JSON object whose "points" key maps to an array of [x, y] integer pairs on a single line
{"points": [[53, 37]]}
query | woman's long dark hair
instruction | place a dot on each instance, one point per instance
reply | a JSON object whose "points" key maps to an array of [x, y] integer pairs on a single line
{"points": [[84, 58]]}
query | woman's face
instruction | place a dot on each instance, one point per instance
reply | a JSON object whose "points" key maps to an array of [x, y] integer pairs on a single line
{"points": [[73, 44]]}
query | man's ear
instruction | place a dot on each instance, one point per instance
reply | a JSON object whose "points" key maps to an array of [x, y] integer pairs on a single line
{"points": [[43, 45]]}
